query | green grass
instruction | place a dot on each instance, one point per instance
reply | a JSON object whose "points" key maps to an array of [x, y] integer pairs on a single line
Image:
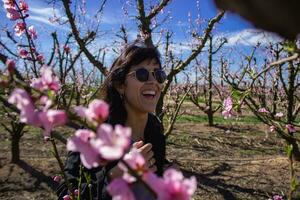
{"points": [[217, 119], [183, 139], [261, 151]]}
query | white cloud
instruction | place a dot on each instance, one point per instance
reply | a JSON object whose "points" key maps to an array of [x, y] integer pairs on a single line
{"points": [[42, 14], [41, 19], [45, 11], [249, 37]]}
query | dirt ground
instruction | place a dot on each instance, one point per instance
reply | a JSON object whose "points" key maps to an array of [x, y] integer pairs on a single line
{"points": [[229, 162]]}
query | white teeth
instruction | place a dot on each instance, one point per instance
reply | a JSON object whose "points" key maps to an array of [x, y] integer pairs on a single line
{"points": [[149, 92]]}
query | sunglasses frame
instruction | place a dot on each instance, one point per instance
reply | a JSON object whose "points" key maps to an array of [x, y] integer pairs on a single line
{"points": [[152, 72]]}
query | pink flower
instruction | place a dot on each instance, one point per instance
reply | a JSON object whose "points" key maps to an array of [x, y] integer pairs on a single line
{"points": [[96, 112], [11, 65], [23, 53], [53, 19], [263, 110], [45, 102], [9, 4], [81, 142], [67, 197], [20, 28], [156, 183], [28, 113], [119, 190], [94, 149], [280, 114], [136, 161], [51, 118], [290, 128], [57, 179], [32, 32], [177, 187], [23, 6], [48, 80], [12, 14], [228, 106], [48, 119], [277, 197], [113, 143], [272, 128], [41, 58], [67, 49], [76, 192], [33, 50]]}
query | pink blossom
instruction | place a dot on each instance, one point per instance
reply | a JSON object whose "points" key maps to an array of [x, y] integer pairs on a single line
{"points": [[177, 187], [96, 112], [33, 50], [66, 197], [47, 119], [11, 65], [113, 143], [95, 149], [228, 106], [28, 113], [119, 190], [76, 192], [280, 114], [53, 19], [57, 179], [23, 6], [45, 102], [290, 128], [263, 110], [20, 28], [67, 49], [48, 80], [272, 128], [136, 161], [156, 183], [41, 58], [81, 142], [9, 4], [32, 32], [277, 197], [12, 14], [51, 118], [23, 53]]}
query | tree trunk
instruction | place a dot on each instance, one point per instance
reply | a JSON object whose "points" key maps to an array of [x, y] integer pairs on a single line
{"points": [[295, 151], [210, 118], [15, 148], [210, 80]]}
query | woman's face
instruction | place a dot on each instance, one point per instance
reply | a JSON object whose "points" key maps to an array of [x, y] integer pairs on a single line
{"points": [[141, 97]]}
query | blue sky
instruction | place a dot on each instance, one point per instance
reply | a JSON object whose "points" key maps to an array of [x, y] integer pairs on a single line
{"points": [[239, 32]]}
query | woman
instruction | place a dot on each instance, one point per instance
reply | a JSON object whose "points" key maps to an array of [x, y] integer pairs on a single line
{"points": [[132, 89]]}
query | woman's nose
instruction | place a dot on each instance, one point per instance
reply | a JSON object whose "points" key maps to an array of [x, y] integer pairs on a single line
{"points": [[151, 76]]}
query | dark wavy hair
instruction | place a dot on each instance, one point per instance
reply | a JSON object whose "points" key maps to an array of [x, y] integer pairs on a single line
{"points": [[132, 54]]}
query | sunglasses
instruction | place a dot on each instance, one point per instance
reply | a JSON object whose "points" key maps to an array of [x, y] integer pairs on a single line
{"points": [[142, 75]]}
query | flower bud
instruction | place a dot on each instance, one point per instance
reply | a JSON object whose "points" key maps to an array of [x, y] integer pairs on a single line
{"points": [[11, 64]]}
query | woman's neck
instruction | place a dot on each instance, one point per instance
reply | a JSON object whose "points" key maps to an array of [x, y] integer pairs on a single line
{"points": [[138, 123]]}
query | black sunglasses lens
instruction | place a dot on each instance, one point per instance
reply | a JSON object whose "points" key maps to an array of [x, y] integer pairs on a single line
{"points": [[160, 76], [142, 74]]}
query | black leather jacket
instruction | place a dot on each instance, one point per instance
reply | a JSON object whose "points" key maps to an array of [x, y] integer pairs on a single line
{"points": [[99, 176]]}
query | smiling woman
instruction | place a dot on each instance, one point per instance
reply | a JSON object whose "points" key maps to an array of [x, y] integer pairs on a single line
{"points": [[132, 89]]}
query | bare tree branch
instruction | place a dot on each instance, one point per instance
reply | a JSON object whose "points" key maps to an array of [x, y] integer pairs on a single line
{"points": [[80, 41]]}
